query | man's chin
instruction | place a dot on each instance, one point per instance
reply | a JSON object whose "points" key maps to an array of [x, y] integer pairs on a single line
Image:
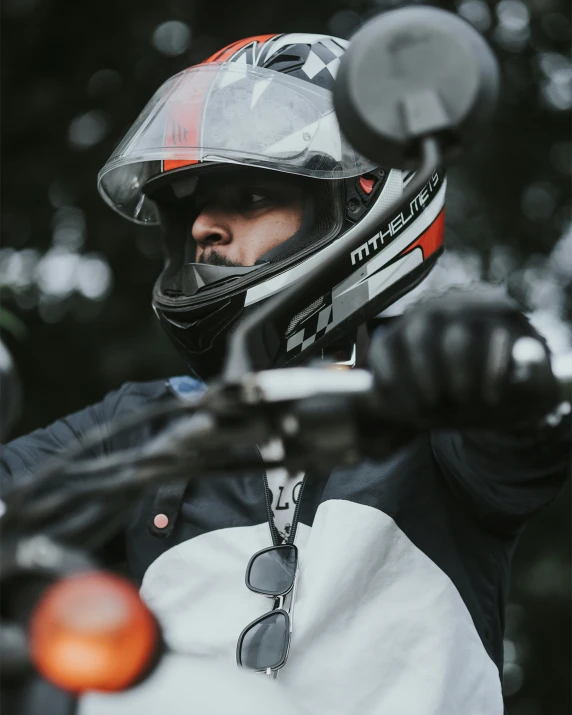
{"points": [[212, 258]]}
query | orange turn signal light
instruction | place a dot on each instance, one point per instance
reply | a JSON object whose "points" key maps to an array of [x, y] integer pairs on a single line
{"points": [[91, 631]]}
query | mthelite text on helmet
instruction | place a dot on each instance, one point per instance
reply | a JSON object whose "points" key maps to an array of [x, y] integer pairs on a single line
{"points": [[398, 223]]}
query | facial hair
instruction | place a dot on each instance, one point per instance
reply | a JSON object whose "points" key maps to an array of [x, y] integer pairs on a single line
{"points": [[212, 258]]}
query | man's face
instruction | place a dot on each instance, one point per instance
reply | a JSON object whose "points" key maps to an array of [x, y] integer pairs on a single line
{"points": [[241, 218]]}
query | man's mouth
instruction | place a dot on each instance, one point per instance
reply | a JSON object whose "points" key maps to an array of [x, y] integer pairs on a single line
{"points": [[213, 258]]}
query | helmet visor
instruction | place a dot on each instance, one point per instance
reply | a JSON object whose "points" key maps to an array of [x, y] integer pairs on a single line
{"points": [[228, 113]]}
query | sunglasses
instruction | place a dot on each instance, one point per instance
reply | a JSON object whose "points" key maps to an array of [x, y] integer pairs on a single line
{"points": [[264, 644]]}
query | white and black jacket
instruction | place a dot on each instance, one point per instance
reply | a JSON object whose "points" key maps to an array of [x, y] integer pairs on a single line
{"points": [[404, 563]]}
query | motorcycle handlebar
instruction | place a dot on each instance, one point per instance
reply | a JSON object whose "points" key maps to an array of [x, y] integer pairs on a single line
{"points": [[324, 417]]}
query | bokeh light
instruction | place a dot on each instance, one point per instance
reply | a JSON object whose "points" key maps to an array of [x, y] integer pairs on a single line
{"points": [[172, 38], [477, 12], [104, 82], [556, 85], [87, 130]]}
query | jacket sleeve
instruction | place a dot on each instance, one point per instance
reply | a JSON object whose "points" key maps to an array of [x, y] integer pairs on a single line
{"points": [[25, 456], [506, 477]]}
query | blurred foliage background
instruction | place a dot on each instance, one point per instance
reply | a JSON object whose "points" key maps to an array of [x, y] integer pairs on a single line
{"points": [[75, 278]]}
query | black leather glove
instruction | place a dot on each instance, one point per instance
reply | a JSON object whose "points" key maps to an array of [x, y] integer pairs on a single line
{"points": [[448, 362]]}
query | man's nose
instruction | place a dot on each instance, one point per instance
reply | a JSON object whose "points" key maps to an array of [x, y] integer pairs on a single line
{"points": [[210, 228]]}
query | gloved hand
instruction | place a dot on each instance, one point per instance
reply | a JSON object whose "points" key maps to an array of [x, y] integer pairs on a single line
{"points": [[448, 362]]}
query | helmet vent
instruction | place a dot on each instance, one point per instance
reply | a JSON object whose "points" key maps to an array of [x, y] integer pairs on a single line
{"points": [[297, 319]]}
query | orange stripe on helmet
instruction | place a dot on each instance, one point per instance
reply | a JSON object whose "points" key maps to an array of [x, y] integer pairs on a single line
{"points": [[190, 125], [171, 164], [431, 239], [184, 127], [230, 50]]}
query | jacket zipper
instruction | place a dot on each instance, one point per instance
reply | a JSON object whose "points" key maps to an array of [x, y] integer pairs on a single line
{"points": [[269, 516], [276, 538], [292, 534]]}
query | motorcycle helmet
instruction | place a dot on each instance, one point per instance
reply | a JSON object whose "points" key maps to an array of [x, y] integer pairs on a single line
{"points": [[263, 105]]}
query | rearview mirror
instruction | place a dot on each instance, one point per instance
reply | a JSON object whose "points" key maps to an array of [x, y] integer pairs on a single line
{"points": [[411, 73]]}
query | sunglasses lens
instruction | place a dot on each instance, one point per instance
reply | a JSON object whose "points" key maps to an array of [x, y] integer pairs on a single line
{"points": [[272, 571], [265, 644]]}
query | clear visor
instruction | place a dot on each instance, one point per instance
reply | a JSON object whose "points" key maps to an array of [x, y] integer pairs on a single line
{"points": [[228, 113]]}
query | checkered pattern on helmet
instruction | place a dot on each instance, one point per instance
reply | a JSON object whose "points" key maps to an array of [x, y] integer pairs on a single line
{"points": [[321, 62], [314, 328], [315, 59]]}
